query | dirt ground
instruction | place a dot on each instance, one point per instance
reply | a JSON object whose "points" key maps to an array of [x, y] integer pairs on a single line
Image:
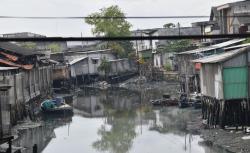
{"points": [[232, 141]]}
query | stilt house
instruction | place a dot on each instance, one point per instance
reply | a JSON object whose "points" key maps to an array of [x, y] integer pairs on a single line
{"points": [[188, 74], [224, 80]]}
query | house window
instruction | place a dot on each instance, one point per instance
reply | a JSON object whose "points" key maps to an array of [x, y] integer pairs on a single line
{"points": [[94, 61]]}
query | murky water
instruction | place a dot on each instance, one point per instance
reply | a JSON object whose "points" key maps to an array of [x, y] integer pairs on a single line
{"points": [[119, 121]]}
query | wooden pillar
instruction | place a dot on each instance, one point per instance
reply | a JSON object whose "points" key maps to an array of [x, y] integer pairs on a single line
{"points": [[222, 114]]}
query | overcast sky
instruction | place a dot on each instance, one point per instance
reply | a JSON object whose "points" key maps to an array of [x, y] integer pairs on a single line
{"points": [[86, 7]]}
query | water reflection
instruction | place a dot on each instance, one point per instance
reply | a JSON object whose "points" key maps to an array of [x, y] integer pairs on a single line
{"points": [[118, 130], [39, 134], [122, 121], [119, 138]]}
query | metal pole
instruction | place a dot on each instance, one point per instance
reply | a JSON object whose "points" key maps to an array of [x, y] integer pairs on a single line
{"points": [[179, 28]]}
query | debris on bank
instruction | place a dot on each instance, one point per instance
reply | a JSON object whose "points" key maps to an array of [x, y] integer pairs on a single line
{"points": [[141, 83], [230, 140]]}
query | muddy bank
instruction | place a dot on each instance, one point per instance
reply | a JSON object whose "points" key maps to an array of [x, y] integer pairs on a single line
{"points": [[230, 141], [158, 87]]}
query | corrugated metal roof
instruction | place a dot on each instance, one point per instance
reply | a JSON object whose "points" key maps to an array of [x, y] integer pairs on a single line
{"points": [[8, 68], [238, 46], [216, 46], [89, 52], [199, 50], [53, 61], [95, 58], [77, 60], [12, 64], [228, 43], [117, 60], [16, 49], [220, 57]]}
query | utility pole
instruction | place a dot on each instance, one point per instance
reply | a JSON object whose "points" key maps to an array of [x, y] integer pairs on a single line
{"points": [[87, 60], [179, 28]]}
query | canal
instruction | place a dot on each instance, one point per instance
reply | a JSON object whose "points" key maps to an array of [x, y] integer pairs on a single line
{"points": [[117, 121]]}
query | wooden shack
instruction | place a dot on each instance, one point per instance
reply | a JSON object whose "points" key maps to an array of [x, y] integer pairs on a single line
{"points": [[188, 75], [4, 111], [28, 73], [79, 69], [224, 80], [5, 123]]}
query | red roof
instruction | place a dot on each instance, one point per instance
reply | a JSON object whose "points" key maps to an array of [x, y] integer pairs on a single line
{"points": [[9, 63]]}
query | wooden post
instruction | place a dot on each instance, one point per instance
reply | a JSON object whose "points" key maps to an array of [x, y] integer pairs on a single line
{"points": [[9, 150], [35, 148], [222, 114]]}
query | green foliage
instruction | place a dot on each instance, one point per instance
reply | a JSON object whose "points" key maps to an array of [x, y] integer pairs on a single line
{"points": [[119, 139], [28, 45], [177, 46], [105, 66], [246, 41], [55, 48], [167, 67], [112, 27], [169, 25], [117, 49], [132, 56]]}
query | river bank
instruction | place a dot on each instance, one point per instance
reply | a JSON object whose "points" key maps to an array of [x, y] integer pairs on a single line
{"points": [[230, 141], [116, 108]]}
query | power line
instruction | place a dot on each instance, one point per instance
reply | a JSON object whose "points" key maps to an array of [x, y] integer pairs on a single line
{"points": [[88, 17], [129, 38], [117, 17]]}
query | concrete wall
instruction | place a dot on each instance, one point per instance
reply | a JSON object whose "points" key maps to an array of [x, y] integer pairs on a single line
{"points": [[122, 66], [166, 59], [93, 67], [157, 60], [26, 85], [4, 114], [94, 60], [185, 66], [79, 68]]}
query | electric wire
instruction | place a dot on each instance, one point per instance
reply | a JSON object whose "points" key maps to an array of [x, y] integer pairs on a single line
{"points": [[128, 38], [117, 17]]}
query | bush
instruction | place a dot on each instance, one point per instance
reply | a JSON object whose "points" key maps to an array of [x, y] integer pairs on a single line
{"points": [[168, 67]]}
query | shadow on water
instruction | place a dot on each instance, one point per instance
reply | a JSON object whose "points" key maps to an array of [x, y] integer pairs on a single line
{"points": [[39, 135], [119, 121]]}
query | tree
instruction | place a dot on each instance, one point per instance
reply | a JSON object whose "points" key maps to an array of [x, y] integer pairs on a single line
{"points": [[168, 67], [105, 66], [55, 48], [28, 45], [169, 25], [178, 46], [119, 139], [110, 22]]}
